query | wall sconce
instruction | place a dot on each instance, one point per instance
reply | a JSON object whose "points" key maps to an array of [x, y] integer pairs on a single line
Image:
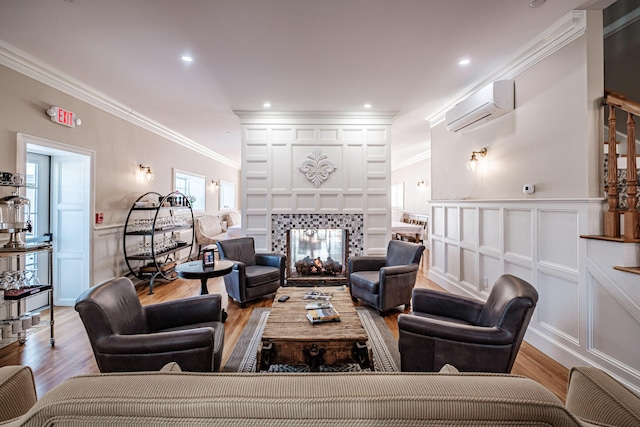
{"points": [[473, 162], [146, 172], [421, 185], [215, 183]]}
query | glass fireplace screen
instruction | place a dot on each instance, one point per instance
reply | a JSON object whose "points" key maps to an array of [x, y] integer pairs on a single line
{"points": [[317, 251]]}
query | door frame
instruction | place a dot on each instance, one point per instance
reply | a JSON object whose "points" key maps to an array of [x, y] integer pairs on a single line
{"points": [[54, 147]]}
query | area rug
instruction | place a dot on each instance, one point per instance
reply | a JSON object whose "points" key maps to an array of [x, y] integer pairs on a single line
{"points": [[386, 356]]}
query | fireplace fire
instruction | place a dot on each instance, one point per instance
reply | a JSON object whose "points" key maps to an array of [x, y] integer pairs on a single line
{"points": [[316, 253]]}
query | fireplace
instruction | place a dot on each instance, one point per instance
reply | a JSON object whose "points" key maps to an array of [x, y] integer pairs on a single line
{"points": [[317, 256], [350, 225]]}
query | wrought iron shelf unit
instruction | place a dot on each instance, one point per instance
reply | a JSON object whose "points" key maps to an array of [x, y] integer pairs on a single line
{"points": [[156, 261]]}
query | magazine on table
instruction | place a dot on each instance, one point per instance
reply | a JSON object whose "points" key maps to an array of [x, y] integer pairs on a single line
{"points": [[323, 315], [317, 295], [315, 305]]}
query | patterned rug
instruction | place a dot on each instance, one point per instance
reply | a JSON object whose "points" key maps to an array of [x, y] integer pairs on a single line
{"points": [[386, 356]]}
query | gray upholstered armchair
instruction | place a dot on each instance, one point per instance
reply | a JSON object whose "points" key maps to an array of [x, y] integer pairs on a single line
{"points": [[385, 282], [127, 337], [253, 275], [471, 335]]}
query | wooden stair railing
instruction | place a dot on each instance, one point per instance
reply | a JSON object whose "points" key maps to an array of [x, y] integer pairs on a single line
{"points": [[631, 230]]}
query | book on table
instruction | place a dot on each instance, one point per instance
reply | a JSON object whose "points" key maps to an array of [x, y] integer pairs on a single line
{"points": [[320, 315]]}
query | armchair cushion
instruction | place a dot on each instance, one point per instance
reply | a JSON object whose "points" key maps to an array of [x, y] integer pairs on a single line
{"points": [[257, 275]]}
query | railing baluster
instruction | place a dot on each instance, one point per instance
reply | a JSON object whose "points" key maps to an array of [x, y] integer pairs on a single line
{"points": [[631, 216], [612, 216]]}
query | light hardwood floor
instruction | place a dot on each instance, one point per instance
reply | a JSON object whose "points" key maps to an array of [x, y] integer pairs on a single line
{"points": [[72, 353]]}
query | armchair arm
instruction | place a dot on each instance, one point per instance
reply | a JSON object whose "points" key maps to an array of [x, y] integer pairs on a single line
{"points": [[453, 331], [397, 269], [159, 342], [187, 311], [366, 263], [446, 305], [272, 260], [597, 398], [17, 391]]}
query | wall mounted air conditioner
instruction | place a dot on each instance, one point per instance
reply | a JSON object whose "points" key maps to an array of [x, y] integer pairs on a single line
{"points": [[490, 102]]}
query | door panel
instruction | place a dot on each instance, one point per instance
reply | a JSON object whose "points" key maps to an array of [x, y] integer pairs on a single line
{"points": [[70, 224]]}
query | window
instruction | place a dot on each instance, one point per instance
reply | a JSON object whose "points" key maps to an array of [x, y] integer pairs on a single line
{"points": [[227, 195], [397, 196], [191, 186]]}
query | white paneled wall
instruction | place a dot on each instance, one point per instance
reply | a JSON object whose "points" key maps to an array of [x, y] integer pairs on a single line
{"points": [[274, 146], [587, 313]]}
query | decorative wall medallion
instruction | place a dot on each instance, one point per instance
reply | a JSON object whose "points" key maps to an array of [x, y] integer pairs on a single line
{"points": [[317, 167]]}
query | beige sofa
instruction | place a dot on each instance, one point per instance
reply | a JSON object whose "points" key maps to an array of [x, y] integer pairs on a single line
{"points": [[171, 397]]}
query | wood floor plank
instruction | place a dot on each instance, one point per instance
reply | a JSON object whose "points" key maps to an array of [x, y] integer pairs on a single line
{"points": [[72, 354]]}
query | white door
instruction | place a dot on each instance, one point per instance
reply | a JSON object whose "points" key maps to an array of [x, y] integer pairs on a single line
{"points": [[70, 208]]}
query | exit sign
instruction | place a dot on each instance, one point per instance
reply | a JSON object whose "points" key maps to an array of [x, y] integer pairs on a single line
{"points": [[62, 117]]}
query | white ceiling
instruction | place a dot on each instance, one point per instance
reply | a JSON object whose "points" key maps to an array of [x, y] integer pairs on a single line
{"points": [[301, 55]]}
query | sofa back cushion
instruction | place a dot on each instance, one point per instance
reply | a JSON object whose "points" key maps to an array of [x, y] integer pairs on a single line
{"points": [[208, 226], [277, 399]]}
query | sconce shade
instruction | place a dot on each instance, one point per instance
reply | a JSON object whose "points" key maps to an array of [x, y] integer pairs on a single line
{"points": [[146, 171], [473, 162]]}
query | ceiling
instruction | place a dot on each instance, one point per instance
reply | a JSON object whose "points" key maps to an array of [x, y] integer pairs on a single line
{"points": [[301, 55]]}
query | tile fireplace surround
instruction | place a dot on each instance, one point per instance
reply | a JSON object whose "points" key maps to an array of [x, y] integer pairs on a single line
{"points": [[354, 223]]}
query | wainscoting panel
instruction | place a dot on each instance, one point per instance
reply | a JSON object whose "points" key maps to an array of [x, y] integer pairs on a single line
{"points": [[556, 242], [559, 307], [353, 165], [588, 313], [438, 224], [616, 320], [303, 134], [351, 154], [469, 268], [281, 202], [469, 226], [517, 232], [452, 223], [281, 169], [490, 230]]}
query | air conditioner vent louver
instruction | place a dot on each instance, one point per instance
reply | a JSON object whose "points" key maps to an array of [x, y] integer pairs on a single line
{"points": [[490, 102]]}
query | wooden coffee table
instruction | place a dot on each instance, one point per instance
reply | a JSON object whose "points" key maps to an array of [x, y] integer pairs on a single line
{"points": [[290, 338]]}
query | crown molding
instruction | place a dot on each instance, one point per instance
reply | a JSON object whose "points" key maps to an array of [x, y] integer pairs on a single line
{"points": [[564, 31], [412, 160], [315, 117], [22, 62]]}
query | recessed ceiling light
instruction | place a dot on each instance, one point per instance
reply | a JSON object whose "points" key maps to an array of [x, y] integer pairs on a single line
{"points": [[367, 105], [536, 3], [465, 61], [266, 104], [187, 58]]}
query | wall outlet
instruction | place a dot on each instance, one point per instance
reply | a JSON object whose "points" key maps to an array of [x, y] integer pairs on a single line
{"points": [[485, 282]]}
